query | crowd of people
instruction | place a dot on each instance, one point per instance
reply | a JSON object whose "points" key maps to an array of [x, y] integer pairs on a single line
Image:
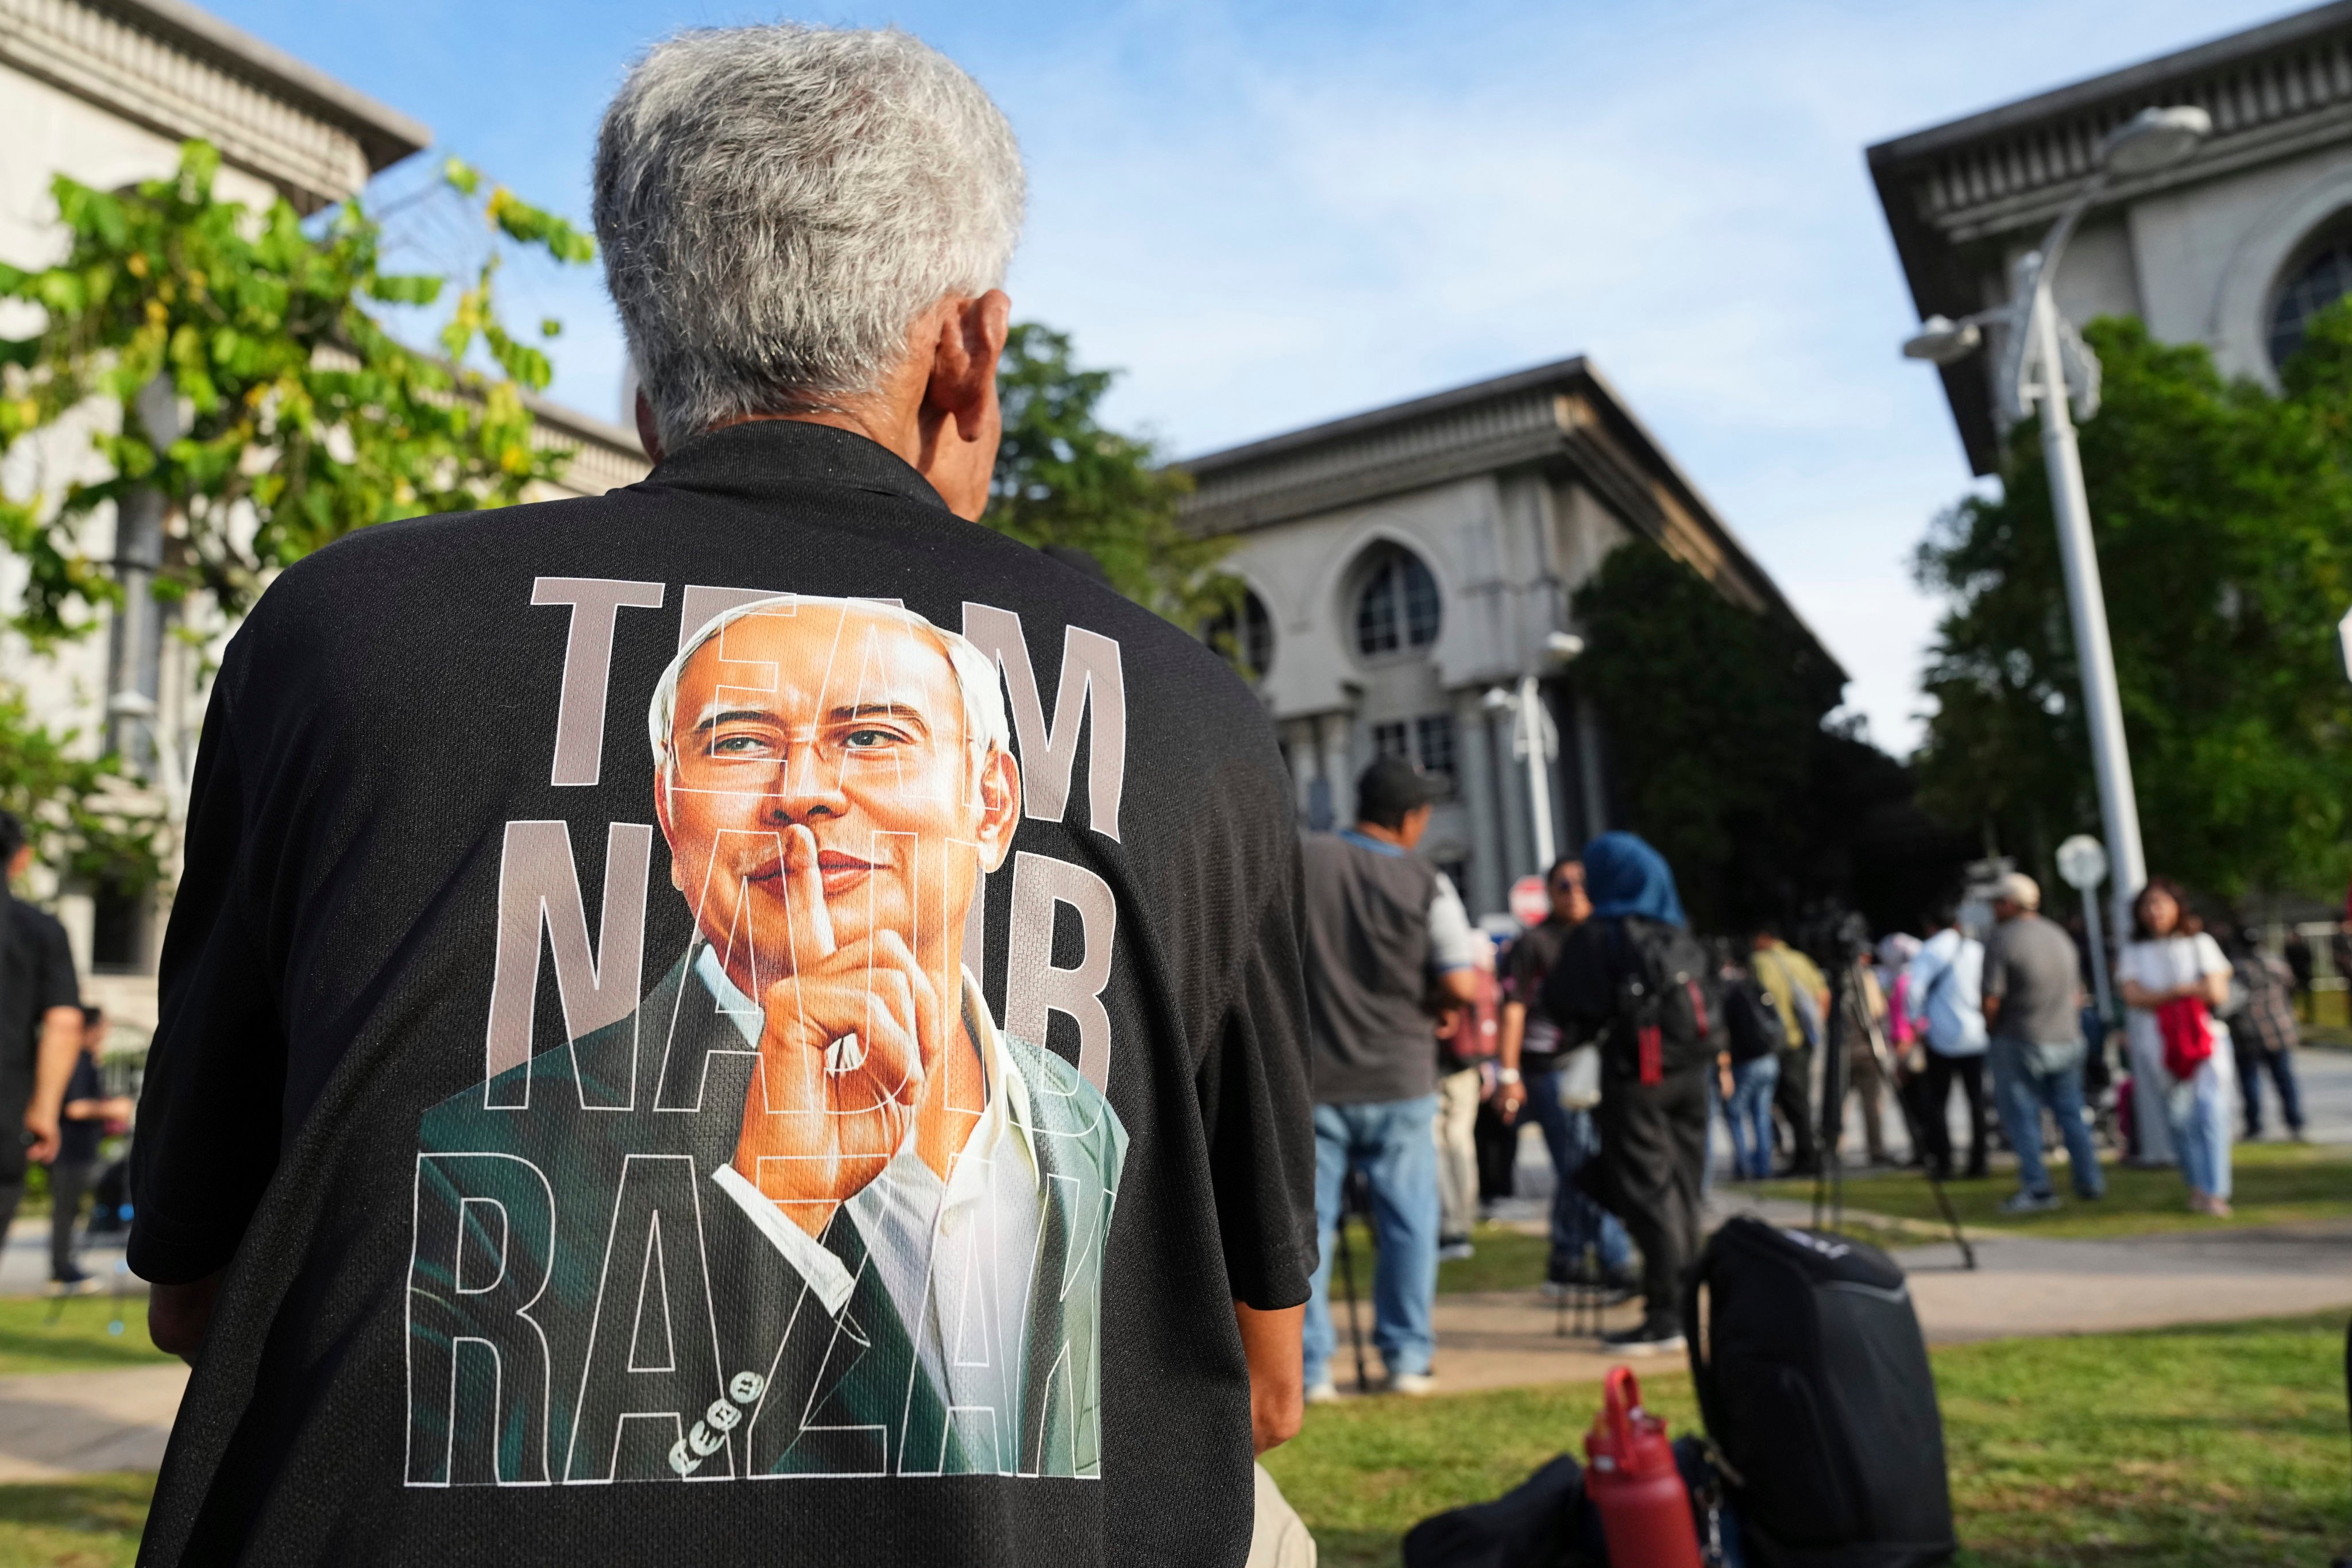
{"points": [[1624, 1094]]}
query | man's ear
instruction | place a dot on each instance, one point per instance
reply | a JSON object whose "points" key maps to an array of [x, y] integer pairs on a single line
{"points": [[649, 432], [964, 362], [661, 815], [1000, 807]]}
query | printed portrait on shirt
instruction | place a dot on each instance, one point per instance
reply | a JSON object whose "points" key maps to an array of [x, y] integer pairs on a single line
{"points": [[804, 1208]]}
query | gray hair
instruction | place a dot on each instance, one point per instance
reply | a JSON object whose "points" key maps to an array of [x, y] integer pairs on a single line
{"points": [[778, 204], [985, 727]]}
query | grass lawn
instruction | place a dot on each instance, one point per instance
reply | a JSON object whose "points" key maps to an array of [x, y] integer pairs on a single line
{"points": [[74, 1335], [2207, 1446], [93, 1522], [2277, 1184]]}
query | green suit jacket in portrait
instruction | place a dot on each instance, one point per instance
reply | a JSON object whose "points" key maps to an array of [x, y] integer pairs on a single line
{"points": [[587, 1303]]}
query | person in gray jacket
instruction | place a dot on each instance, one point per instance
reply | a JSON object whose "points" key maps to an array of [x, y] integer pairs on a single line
{"points": [[1386, 935], [2032, 1008]]}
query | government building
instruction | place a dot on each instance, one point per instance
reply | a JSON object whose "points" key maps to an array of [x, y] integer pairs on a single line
{"points": [[2234, 249], [106, 92], [1409, 572]]}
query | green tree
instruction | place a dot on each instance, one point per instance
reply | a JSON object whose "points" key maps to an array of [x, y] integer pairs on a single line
{"points": [[2219, 510], [83, 818], [296, 416], [1063, 480], [1715, 719], [303, 417]]}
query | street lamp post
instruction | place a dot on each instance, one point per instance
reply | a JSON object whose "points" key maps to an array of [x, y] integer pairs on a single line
{"points": [[2035, 364], [1535, 739]]}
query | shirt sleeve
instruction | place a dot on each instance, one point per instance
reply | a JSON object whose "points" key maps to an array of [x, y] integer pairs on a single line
{"points": [[84, 1084], [1258, 1114], [208, 1110], [1523, 973], [1807, 972], [1995, 981], [56, 985], [1449, 929], [2210, 957]]}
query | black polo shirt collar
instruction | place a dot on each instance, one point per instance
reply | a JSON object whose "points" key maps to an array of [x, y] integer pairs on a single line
{"points": [[766, 458]]}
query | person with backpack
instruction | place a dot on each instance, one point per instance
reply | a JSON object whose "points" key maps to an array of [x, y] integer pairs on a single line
{"points": [[1635, 979], [1535, 1078], [2266, 1033], [1752, 1020], [1801, 997], [2172, 975], [1945, 999]]}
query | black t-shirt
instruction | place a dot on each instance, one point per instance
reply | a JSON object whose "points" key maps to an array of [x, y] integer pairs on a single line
{"points": [[77, 1136], [648, 1000], [1532, 956], [37, 975]]}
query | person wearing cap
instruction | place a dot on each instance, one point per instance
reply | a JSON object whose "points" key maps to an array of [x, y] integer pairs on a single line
{"points": [[1385, 933], [2033, 1008]]}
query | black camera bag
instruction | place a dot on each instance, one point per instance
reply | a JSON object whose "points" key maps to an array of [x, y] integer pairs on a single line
{"points": [[1814, 1381]]}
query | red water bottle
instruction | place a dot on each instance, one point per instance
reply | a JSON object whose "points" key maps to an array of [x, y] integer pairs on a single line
{"points": [[1645, 1510]]}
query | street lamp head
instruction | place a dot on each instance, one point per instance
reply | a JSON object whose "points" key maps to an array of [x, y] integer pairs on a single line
{"points": [[2156, 139], [131, 705], [1561, 647], [1496, 699], [1942, 341]]}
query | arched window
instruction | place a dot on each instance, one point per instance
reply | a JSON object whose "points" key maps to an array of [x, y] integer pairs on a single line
{"points": [[2322, 277], [1397, 607], [1245, 640]]}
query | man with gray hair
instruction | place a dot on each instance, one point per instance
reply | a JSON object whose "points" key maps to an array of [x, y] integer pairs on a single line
{"points": [[937, 1137], [2033, 1008]]}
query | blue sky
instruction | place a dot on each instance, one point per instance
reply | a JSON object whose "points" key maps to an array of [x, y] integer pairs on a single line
{"points": [[1272, 216]]}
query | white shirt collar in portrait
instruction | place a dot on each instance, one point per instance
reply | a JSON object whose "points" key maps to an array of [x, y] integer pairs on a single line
{"points": [[957, 1257]]}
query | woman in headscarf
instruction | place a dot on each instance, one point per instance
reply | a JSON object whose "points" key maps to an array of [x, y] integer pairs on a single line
{"points": [[1635, 979]]}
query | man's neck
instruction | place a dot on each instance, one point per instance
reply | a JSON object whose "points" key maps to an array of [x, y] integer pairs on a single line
{"points": [[1374, 831]]}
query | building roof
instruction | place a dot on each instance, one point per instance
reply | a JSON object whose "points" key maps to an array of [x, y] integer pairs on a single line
{"points": [[1957, 194], [213, 81], [1564, 415]]}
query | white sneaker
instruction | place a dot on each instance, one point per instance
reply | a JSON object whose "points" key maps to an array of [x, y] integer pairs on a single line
{"points": [[1413, 1385], [1324, 1393]]}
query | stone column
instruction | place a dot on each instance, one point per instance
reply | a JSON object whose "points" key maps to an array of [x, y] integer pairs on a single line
{"points": [[1490, 883], [1334, 729], [1511, 781]]}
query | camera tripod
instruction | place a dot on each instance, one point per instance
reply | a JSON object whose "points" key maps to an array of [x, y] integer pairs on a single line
{"points": [[1849, 1011]]}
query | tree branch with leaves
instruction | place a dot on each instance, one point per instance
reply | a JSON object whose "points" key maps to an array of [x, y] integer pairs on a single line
{"points": [[259, 390]]}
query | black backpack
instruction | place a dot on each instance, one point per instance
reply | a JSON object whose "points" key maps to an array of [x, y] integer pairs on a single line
{"points": [[1661, 978], [1812, 1378], [1751, 1020]]}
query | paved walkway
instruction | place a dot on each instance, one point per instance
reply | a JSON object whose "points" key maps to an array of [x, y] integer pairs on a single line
{"points": [[2020, 1287], [58, 1424]]}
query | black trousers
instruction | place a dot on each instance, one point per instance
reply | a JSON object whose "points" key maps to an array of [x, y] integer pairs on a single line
{"points": [[1938, 1128], [1653, 1156], [1792, 1096], [68, 1180]]}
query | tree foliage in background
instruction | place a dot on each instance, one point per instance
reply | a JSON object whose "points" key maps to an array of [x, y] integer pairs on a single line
{"points": [[1717, 745], [303, 418], [295, 416], [83, 819], [2222, 515], [1062, 479]]}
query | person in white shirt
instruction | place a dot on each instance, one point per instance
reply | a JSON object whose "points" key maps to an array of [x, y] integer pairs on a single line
{"points": [[2173, 974], [1944, 995]]}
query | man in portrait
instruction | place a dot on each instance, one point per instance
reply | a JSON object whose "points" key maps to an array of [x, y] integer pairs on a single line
{"points": [[806, 1209]]}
